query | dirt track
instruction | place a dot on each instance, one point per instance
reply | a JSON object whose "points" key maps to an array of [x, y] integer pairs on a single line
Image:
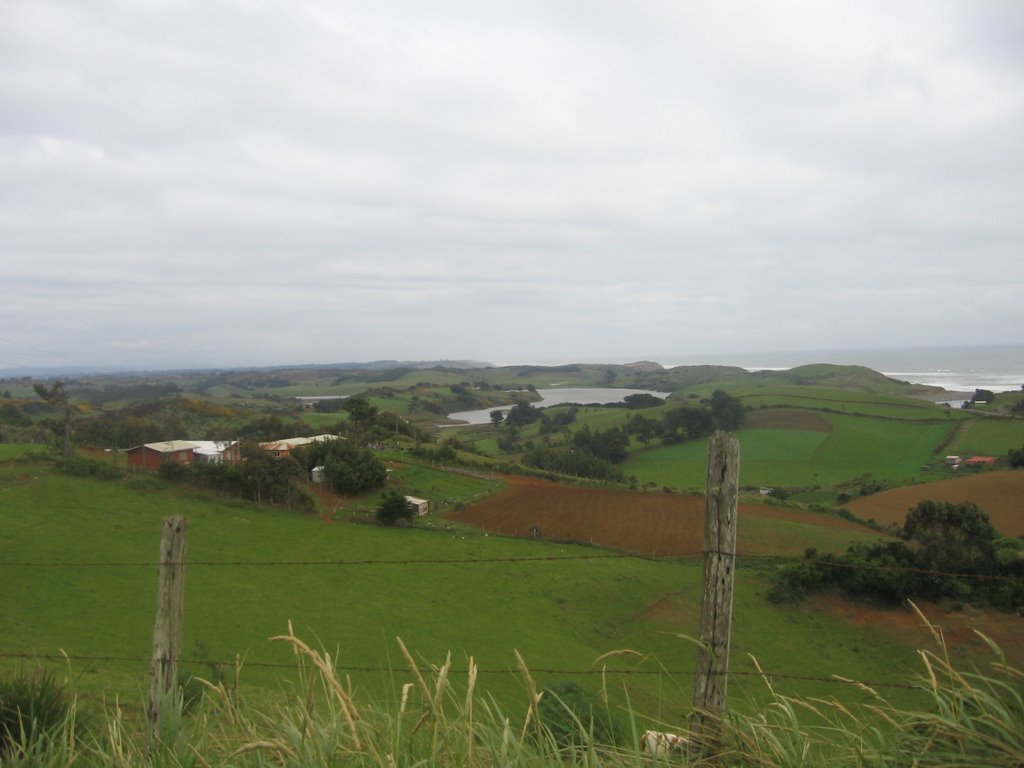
{"points": [[1000, 494], [650, 523]]}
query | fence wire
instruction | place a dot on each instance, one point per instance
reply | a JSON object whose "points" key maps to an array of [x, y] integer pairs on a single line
{"points": [[601, 672]]}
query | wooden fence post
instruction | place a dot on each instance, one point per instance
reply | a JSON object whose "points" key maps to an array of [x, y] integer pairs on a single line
{"points": [[170, 615], [717, 588]]}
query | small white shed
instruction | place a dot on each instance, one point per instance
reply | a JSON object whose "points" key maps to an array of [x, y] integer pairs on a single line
{"points": [[422, 505]]}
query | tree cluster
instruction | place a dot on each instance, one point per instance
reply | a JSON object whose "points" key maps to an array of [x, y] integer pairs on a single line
{"points": [[570, 461], [394, 507], [1015, 456], [368, 424], [690, 422], [259, 476], [946, 550], [348, 468]]}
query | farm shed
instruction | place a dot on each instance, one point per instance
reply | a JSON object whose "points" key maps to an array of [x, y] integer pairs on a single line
{"points": [[286, 446], [980, 461], [422, 505], [151, 455], [216, 451]]}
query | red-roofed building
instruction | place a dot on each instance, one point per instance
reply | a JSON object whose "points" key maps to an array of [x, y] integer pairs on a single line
{"points": [[152, 455], [980, 461]]}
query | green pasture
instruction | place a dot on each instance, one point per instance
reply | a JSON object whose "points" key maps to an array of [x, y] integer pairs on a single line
{"points": [[323, 421], [855, 403], [77, 564], [987, 437], [886, 450], [8, 451], [442, 489], [794, 538]]}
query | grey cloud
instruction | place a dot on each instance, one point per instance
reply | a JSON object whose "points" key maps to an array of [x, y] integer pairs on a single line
{"points": [[599, 177]]}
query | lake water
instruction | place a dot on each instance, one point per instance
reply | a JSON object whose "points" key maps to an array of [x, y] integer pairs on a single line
{"points": [[550, 397]]}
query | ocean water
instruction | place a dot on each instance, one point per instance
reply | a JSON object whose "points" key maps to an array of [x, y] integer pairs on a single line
{"points": [[960, 369]]}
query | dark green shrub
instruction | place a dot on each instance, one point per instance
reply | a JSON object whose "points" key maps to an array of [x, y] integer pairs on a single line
{"points": [[567, 707], [394, 507], [80, 466], [794, 581], [31, 704], [174, 471]]}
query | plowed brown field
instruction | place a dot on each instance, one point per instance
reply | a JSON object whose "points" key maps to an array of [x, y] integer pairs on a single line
{"points": [[1000, 494], [650, 523]]}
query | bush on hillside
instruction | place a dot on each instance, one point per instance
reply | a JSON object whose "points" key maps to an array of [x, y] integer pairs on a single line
{"points": [[32, 704], [574, 716], [1015, 457], [395, 507], [81, 466], [950, 551], [261, 477], [576, 462]]}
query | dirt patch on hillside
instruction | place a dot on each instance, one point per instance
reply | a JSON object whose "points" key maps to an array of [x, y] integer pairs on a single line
{"points": [[999, 494], [784, 418], [959, 629], [662, 524]]}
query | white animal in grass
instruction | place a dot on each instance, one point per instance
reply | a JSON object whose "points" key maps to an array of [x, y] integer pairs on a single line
{"points": [[662, 745]]}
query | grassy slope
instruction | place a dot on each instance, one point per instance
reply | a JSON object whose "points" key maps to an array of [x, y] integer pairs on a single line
{"points": [[883, 436], [988, 437], [559, 614], [888, 451]]}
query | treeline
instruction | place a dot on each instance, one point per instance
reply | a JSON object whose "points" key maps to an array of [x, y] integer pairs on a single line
{"points": [[265, 478], [595, 453], [690, 422], [945, 551], [183, 418], [259, 476]]}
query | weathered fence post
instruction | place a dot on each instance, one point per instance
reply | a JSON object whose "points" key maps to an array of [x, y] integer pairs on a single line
{"points": [[170, 615], [717, 587]]}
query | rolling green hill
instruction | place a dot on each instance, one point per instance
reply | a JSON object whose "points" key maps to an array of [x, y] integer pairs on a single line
{"points": [[76, 561]]}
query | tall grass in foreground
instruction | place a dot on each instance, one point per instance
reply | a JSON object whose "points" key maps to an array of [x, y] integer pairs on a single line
{"points": [[973, 719]]}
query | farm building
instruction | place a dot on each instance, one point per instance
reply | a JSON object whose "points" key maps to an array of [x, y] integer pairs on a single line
{"points": [[980, 461], [152, 455], [286, 446], [422, 505], [216, 451]]}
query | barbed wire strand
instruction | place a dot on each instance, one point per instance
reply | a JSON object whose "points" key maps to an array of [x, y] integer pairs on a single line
{"points": [[686, 556], [538, 670]]}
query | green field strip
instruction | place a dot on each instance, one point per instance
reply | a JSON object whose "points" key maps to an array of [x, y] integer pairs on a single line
{"points": [[988, 437]]}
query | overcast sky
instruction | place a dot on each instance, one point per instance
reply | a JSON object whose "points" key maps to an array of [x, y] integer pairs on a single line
{"points": [[256, 182]]}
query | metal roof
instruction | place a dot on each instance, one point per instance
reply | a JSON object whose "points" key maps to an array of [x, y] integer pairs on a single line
{"points": [[171, 446]]}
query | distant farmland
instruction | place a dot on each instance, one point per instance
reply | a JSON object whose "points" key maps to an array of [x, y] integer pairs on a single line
{"points": [[1000, 494], [664, 524]]}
